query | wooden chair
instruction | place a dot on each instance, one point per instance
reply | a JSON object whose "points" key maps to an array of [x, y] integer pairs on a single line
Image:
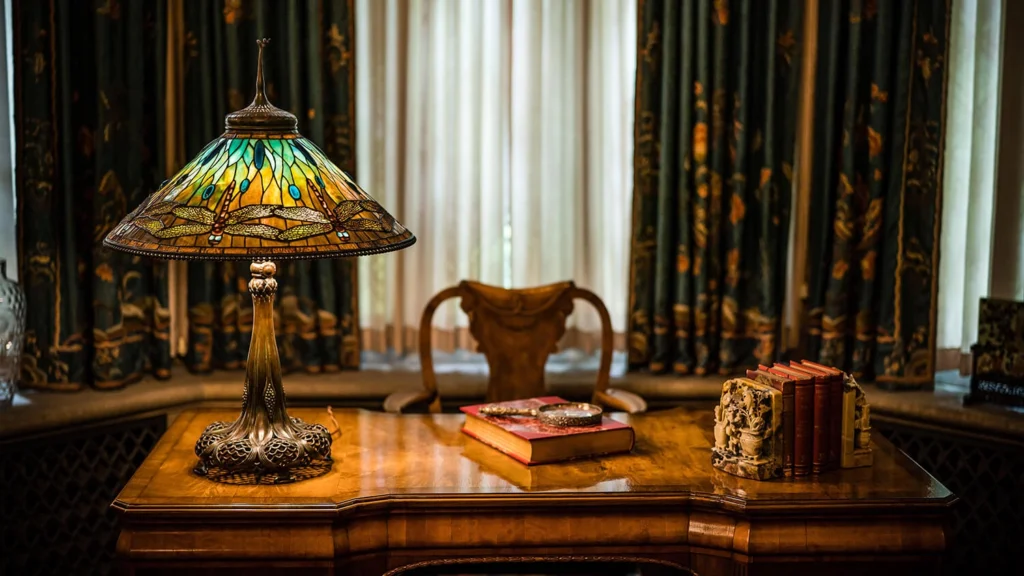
{"points": [[516, 330]]}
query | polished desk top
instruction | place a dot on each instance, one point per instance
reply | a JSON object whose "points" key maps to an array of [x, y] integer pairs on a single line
{"points": [[424, 460]]}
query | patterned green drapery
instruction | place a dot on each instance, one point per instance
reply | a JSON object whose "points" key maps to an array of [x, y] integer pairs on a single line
{"points": [[310, 72], [88, 80], [715, 118], [875, 212]]}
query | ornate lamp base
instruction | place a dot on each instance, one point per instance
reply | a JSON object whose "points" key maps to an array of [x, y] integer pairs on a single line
{"points": [[264, 440], [236, 448]]}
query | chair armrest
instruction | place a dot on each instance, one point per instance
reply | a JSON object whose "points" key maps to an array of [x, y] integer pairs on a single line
{"points": [[409, 401], [621, 400]]}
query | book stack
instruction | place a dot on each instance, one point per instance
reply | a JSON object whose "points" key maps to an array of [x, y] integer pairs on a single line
{"points": [[824, 422]]}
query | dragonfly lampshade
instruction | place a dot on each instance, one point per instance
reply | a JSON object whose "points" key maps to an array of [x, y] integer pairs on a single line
{"points": [[260, 192]]}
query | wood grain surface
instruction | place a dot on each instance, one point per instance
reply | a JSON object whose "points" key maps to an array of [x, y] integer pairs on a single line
{"points": [[409, 489]]}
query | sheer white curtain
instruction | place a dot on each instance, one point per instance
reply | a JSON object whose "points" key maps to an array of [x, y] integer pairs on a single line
{"points": [[500, 133], [982, 182]]}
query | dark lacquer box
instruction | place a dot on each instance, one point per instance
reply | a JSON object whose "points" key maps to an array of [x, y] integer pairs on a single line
{"points": [[997, 361]]}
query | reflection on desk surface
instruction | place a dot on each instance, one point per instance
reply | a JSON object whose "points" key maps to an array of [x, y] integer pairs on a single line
{"points": [[405, 457]]}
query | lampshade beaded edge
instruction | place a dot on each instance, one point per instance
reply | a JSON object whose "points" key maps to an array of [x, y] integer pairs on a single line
{"points": [[291, 253]]}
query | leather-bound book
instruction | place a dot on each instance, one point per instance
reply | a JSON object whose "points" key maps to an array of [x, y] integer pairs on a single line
{"points": [[788, 389], [822, 409], [803, 417], [527, 440], [835, 423]]}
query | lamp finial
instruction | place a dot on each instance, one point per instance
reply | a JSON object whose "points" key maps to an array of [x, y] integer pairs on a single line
{"points": [[261, 116], [261, 94]]}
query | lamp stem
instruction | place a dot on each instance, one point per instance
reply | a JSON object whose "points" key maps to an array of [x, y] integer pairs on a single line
{"points": [[264, 439], [263, 396]]}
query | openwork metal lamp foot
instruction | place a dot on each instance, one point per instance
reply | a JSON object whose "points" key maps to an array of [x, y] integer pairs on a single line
{"points": [[260, 192]]}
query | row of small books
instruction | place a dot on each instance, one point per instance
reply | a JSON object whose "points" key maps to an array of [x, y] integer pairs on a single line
{"points": [[825, 422]]}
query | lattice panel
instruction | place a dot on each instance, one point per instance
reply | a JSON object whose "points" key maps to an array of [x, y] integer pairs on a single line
{"points": [[56, 497], [989, 480]]}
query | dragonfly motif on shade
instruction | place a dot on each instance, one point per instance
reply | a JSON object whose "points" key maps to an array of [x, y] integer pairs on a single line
{"points": [[242, 179]]}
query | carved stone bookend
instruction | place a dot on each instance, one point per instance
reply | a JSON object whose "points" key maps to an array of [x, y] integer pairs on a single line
{"points": [[856, 426], [748, 430]]}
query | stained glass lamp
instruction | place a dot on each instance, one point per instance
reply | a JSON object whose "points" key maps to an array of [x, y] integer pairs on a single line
{"points": [[260, 192]]}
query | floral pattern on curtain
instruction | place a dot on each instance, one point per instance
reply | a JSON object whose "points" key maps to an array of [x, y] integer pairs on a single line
{"points": [[310, 72], [875, 212], [88, 89], [714, 145]]}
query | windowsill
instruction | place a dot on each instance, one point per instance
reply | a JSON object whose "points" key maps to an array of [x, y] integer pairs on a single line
{"points": [[943, 407], [42, 412]]}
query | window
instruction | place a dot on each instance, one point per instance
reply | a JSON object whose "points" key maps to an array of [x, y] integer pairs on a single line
{"points": [[982, 214], [8, 235], [501, 134]]}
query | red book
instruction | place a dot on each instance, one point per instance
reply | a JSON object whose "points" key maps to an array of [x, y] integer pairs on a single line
{"points": [[788, 389], [835, 440], [527, 440], [803, 421]]}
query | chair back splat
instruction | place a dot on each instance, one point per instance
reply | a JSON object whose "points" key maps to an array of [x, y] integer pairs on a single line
{"points": [[516, 330]]}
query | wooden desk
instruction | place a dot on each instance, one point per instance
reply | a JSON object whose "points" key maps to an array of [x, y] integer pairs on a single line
{"points": [[410, 489]]}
